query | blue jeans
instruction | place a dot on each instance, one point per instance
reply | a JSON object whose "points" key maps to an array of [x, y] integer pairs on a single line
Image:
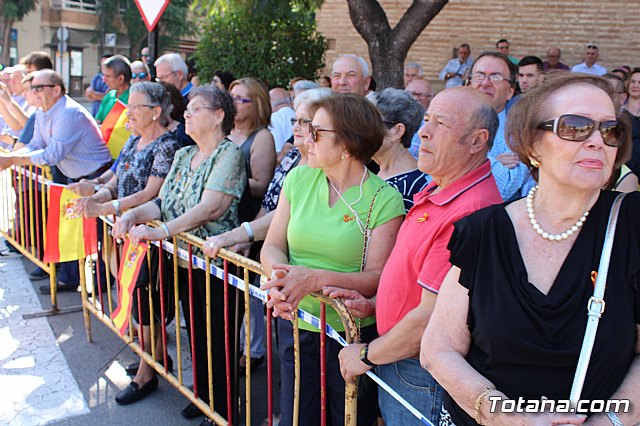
{"points": [[414, 384]]}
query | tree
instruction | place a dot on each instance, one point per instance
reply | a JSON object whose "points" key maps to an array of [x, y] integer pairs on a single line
{"points": [[388, 47], [123, 16], [12, 11]]}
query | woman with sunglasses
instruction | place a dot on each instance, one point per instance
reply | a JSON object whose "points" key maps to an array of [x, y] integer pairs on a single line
{"points": [[335, 224], [510, 318], [139, 72]]}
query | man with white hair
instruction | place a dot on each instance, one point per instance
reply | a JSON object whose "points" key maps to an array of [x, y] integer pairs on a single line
{"points": [[281, 115], [350, 74], [172, 69], [412, 71]]}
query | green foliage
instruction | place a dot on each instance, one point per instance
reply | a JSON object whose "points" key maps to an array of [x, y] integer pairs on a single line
{"points": [[272, 8], [274, 49], [120, 15], [15, 10]]}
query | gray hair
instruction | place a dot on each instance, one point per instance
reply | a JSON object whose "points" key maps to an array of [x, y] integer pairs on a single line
{"points": [[416, 66], [217, 98], [175, 62], [359, 59], [135, 64], [398, 106], [485, 118], [303, 85], [120, 65], [311, 96], [157, 96]]}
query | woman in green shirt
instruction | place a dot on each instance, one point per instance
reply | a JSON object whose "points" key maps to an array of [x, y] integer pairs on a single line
{"points": [[316, 239]]}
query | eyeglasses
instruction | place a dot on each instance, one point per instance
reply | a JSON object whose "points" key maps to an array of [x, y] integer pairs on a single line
{"points": [[140, 75], [163, 77], [301, 121], [420, 95], [592, 46], [241, 100], [313, 131], [577, 128], [132, 108], [40, 87], [195, 109], [495, 78]]}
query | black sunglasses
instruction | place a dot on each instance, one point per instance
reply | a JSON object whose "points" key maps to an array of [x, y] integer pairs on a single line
{"points": [[577, 128]]}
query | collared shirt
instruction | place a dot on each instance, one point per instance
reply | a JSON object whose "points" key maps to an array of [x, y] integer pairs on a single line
{"points": [[69, 138], [109, 101], [595, 69], [455, 67], [414, 149], [559, 67], [281, 127], [420, 258], [186, 90], [98, 85], [509, 180]]}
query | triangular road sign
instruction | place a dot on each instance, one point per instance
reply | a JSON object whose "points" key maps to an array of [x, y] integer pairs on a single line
{"points": [[151, 11]]}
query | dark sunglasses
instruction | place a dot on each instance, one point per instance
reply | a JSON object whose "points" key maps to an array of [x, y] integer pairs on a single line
{"points": [[313, 130], [40, 87], [140, 75], [577, 128]]}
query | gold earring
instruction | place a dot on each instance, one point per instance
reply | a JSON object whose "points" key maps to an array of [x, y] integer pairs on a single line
{"points": [[342, 157], [535, 163]]}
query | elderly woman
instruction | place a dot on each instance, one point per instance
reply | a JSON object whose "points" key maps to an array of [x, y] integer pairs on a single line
{"points": [[510, 318], [256, 142], [241, 237], [336, 223], [200, 195], [139, 72], [402, 117]]}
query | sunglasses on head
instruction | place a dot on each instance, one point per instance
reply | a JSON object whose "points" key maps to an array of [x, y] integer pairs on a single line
{"points": [[577, 128], [140, 75]]}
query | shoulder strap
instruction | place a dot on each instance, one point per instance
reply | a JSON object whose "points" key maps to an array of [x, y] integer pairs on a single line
{"points": [[367, 231], [596, 304]]}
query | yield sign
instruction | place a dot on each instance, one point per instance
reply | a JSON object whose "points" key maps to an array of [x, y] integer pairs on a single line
{"points": [[151, 11]]}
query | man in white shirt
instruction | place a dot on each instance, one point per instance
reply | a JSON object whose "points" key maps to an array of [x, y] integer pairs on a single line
{"points": [[281, 115], [590, 64]]}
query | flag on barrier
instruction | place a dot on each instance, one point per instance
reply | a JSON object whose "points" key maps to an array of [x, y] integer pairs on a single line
{"points": [[69, 235], [129, 269], [114, 128]]}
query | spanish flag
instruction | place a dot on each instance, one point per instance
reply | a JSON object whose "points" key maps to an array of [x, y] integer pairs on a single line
{"points": [[114, 128], [127, 275], [69, 235]]}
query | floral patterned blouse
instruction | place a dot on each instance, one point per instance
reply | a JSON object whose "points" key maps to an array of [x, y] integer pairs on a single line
{"points": [[136, 166], [290, 160], [222, 171]]}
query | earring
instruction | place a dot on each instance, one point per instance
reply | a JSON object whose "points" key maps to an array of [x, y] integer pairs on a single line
{"points": [[154, 118], [535, 163], [342, 157]]}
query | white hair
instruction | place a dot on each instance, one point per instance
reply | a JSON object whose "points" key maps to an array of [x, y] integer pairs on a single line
{"points": [[416, 66], [359, 59], [175, 61]]}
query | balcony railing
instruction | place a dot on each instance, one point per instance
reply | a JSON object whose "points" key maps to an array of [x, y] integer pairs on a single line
{"points": [[79, 5]]}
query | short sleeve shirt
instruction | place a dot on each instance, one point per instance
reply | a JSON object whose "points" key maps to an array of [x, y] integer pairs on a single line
{"points": [[109, 100], [222, 171], [420, 258], [409, 184], [136, 166], [323, 237], [290, 160]]}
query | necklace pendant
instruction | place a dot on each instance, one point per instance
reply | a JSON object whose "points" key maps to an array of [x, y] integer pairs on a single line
{"points": [[348, 218]]}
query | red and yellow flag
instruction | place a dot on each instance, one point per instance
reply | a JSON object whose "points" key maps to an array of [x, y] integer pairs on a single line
{"points": [[127, 275], [69, 235], [114, 128]]}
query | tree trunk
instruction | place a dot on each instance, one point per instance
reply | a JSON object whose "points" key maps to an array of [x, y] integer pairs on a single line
{"points": [[7, 24], [388, 47]]}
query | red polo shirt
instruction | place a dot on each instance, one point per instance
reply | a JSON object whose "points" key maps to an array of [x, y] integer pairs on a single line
{"points": [[420, 254]]}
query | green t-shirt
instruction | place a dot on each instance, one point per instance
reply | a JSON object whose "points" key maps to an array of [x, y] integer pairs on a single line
{"points": [[323, 237], [108, 102]]}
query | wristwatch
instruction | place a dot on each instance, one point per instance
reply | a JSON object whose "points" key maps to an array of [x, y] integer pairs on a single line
{"points": [[364, 356]]}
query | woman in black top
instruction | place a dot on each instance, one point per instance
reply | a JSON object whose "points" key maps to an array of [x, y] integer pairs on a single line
{"points": [[511, 314]]}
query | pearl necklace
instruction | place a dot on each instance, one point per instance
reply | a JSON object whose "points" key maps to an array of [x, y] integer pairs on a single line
{"points": [[547, 236], [350, 205]]}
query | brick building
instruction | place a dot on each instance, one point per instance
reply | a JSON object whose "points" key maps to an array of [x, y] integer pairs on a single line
{"points": [[532, 26]]}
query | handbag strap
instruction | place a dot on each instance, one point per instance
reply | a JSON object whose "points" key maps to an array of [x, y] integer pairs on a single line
{"points": [[365, 245], [596, 304]]}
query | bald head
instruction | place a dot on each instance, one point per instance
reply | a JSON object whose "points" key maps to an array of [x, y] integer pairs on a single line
{"points": [[279, 98], [350, 74], [421, 91]]}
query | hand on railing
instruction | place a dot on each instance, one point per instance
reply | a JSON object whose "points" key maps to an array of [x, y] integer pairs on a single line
{"points": [[287, 286], [214, 244], [5, 162], [350, 365], [360, 306], [146, 233], [83, 188], [122, 226]]}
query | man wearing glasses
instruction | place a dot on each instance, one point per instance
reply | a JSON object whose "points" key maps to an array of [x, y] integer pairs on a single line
{"points": [[65, 136], [172, 69], [495, 75], [590, 64]]}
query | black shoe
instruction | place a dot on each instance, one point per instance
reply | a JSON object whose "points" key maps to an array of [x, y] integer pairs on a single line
{"points": [[134, 393], [191, 411], [132, 369], [62, 288], [255, 363], [38, 274], [207, 422]]}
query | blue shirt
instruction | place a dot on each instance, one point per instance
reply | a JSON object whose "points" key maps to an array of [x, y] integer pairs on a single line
{"points": [[27, 131], [414, 149], [509, 181], [455, 67], [97, 84], [595, 69], [69, 138]]}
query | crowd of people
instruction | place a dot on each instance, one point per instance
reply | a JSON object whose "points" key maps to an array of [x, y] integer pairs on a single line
{"points": [[463, 229]]}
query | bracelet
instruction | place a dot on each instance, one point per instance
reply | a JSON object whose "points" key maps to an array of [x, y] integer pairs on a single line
{"points": [[479, 401], [116, 206], [96, 188], [247, 227], [166, 230], [615, 420]]}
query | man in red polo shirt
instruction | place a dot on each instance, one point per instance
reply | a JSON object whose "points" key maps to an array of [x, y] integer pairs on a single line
{"points": [[459, 128]]}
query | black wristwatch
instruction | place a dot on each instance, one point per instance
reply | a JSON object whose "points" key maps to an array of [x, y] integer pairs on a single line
{"points": [[364, 356]]}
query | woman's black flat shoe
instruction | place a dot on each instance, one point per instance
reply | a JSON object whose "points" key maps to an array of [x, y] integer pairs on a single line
{"points": [[134, 393]]}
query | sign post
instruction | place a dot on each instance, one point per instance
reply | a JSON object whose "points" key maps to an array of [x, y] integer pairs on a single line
{"points": [[151, 11]]}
